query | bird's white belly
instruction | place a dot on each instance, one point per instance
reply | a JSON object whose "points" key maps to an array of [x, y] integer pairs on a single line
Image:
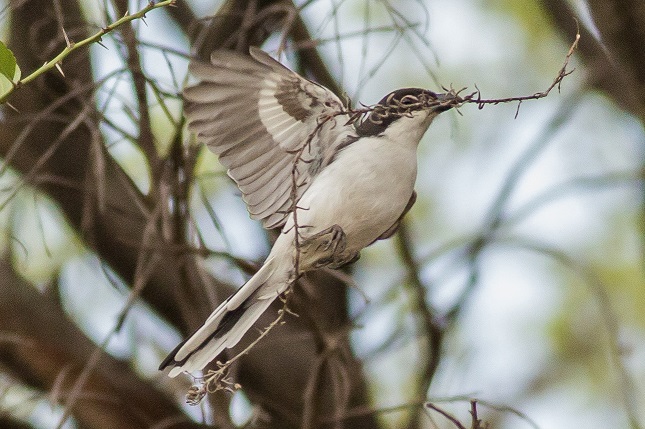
{"points": [[362, 191]]}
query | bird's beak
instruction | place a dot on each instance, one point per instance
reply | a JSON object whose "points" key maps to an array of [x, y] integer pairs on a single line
{"points": [[446, 102]]}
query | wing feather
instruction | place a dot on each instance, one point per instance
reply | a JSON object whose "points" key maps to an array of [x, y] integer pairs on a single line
{"points": [[264, 174], [251, 154], [283, 208], [248, 168], [225, 135], [263, 204], [256, 114], [211, 93], [265, 192], [283, 192]]}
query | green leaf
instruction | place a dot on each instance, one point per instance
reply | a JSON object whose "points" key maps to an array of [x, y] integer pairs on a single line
{"points": [[9, 70]]}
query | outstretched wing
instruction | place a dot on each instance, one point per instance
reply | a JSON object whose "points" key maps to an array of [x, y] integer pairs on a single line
{"points": [[257, 115]]}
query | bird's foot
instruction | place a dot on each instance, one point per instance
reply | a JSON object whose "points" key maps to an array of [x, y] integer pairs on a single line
{"points": [[327, 248], [349, 259]]}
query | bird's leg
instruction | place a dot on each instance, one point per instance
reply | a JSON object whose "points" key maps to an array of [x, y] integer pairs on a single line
{"points": [[350, 259], [326, 248]]}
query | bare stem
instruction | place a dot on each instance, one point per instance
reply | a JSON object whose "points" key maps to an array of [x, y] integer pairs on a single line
{"points": [[556, 82]]}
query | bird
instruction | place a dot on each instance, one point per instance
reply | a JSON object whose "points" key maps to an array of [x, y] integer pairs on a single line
{"points": [[333, 179]]}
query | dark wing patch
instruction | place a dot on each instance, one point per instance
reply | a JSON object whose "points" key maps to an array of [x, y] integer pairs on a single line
{"points": [[294, 100]]}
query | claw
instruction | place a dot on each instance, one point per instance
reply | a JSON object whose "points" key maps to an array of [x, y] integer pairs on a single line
{"points": [[336, 240], [328, 247], [344, 261]]}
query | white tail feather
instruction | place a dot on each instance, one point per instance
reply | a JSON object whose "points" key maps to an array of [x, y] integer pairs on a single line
{"points": [[243, 309], [199, 358]]}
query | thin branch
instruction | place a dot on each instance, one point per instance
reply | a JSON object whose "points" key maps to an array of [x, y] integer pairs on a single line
{"points": [[625, 383], [452, 99], [430, 328], [145, 139], [556, 82], [446, 414]]}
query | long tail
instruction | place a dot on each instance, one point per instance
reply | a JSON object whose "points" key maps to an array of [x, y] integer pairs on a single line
{"points": [[227, 324]]}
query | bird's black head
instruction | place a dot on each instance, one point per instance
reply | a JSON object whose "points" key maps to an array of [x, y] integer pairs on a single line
{"points": [[400, 103]]}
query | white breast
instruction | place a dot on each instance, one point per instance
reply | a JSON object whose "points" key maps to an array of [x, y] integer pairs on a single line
{"points": [[364, 190]]}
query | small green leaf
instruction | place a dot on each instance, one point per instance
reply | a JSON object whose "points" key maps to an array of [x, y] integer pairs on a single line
{"points": [[9, 70], [8, 66]]}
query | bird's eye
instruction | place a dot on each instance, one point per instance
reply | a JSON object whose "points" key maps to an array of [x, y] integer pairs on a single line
{"points": [[408, 100]]}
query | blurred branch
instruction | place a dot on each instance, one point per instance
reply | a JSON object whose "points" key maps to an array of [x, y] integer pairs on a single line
{"points": [[431, 328], [577, 184], [9, 423], [310, 58], [430, 403], [625, 385], [52, 349], [495, 215], [368, 410], [107, 213], [145, 139], [496, 218]]}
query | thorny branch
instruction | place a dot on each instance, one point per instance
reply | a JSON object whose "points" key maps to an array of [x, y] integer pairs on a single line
{"points": [[481, 102], [452, 99], [72, 46], [295, 186]]}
